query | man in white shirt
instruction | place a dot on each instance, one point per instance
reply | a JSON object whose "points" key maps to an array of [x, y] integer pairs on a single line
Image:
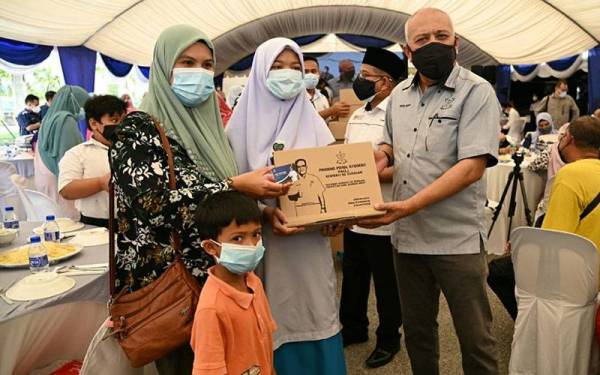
{"points": [[312, 75], [369, 251], [84, 171]]}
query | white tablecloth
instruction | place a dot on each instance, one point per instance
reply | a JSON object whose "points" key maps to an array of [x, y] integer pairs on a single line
{"points": [[24, 164], [497, 178], [34, 334]]}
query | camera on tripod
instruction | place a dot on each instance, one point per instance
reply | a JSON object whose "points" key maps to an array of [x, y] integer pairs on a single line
{"points": [[518, 157], [515, 178]]}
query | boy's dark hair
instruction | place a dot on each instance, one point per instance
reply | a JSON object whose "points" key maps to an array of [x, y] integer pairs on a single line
{"points": [[31, 98], [311, 58], [219, 210], [49, 95], [100, 105]]}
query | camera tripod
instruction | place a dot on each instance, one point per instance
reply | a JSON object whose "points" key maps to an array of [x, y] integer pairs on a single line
{"points": [[515, 175]]}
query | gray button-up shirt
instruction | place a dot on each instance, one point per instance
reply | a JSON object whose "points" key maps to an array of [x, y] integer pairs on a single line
{"points": [[430, 133]]}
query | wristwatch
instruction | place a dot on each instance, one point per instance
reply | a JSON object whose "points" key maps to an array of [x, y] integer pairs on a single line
{"points": [[229, 183]]}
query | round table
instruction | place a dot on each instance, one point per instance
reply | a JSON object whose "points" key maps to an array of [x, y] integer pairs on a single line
{"points": [[497, 178], [36, 333], [23, 162]]}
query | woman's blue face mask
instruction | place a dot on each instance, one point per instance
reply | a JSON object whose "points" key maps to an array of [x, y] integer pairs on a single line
{"points": [[192, 86]]}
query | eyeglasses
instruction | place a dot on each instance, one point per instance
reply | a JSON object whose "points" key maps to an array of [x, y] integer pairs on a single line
{"points": [[366, 77]]}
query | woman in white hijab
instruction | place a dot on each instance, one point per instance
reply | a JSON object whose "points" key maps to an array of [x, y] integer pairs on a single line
{"points": [[298, 268]]}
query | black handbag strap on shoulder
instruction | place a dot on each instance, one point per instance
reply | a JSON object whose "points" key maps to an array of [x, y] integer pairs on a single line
{"points": [[590, 207]]}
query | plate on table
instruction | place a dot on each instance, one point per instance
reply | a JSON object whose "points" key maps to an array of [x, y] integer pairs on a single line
{"points": [[65, 225], [18, 257], [548, 138], [40, 285], [90, 237]]}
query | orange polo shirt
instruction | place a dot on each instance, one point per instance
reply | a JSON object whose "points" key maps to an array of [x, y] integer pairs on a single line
{"points": [[233, 330]]}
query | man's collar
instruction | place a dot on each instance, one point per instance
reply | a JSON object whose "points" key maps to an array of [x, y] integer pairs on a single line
{"points": [[449, 82]]}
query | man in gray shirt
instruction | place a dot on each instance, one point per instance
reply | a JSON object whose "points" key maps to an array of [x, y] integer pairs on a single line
{"points": [[441, 134], [560, 105]]}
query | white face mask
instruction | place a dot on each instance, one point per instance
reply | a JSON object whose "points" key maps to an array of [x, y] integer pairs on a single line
{"points": [[35, 109], [563, 94]]}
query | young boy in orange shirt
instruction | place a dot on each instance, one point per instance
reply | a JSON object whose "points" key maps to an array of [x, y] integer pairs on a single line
{"points": [[233, 326]]}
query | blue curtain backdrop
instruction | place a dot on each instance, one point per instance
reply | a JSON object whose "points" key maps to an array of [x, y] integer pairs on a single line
{"points": [[145, 71], [503, 83], [594, 79], [79, 68], [21, 53], [364, 41], [525, 69], [116, 67], [562, 64]]}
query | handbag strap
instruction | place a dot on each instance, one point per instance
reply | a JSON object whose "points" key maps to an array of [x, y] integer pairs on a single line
{"points": [[175, 239], [590, 207]]}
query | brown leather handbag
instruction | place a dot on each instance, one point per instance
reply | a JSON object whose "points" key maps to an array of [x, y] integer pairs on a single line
{"points": [[156, 319]]}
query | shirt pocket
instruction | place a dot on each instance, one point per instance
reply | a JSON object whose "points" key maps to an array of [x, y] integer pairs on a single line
{"points": [[441, 133]]}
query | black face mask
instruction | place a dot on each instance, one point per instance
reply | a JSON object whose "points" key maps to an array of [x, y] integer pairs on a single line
{"points": [[363, 88], [109, 131], [435, 60], [347, 76]]}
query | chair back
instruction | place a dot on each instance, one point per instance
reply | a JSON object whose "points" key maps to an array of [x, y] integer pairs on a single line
{"points": [[37, 205], [556, 276]]}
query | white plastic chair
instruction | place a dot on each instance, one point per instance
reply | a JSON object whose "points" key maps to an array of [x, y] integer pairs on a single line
{"points": [[37, 205], [105, 356], [556, 277]]}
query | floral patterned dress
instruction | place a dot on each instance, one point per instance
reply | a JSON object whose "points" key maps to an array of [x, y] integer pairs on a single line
{"points": [[147, 210]]}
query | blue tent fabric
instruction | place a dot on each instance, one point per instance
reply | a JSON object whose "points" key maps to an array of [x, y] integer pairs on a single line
{"points": [[116, 67], [562, 64], [145, 71], [364, 41], [79, 68], [502, 83], [246, 62], [594, 79], [525, 69], [21, 53]]}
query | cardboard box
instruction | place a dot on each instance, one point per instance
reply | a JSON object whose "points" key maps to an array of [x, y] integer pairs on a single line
{"points": [[330, 184], [338, 129]]}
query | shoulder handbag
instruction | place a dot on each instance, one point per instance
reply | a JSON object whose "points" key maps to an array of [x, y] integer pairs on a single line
{"points": [[156, 319]]}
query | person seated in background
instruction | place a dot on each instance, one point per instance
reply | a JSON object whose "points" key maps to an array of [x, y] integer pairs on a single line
{"points": [[547, 163], [514, 125], [576, 187], [573, 205], [84, 171], [29, 119], [233, 325], [545, 126], [318, 100], [128, 102], [43, 109]]}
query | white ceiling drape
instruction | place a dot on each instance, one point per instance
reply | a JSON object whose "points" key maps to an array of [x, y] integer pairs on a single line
{"points": [[493, 31]]}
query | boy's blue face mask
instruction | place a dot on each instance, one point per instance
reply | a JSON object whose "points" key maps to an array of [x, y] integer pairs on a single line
{"points": [[192, 86], [240, 259]]}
